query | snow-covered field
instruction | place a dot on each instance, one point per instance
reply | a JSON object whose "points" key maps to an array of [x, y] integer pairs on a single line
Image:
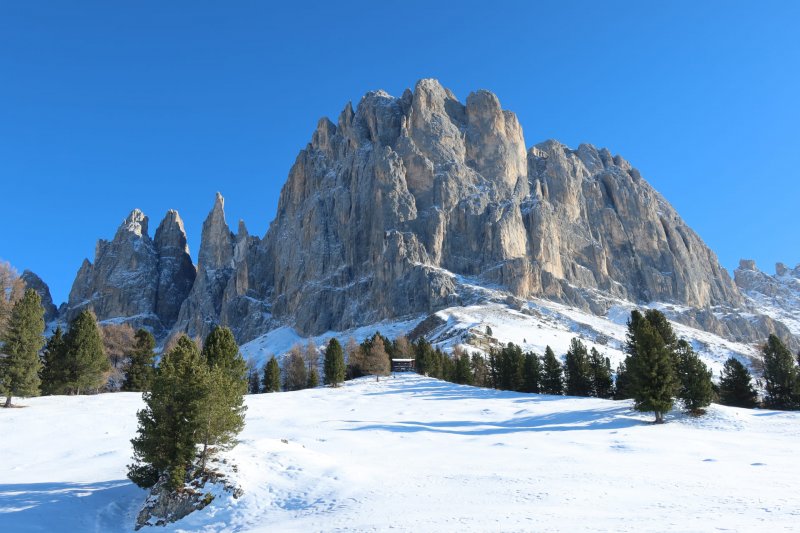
{"points": [[416, 454]]}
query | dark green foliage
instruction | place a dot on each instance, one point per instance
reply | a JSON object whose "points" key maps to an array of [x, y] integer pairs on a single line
{"points": [[168, 425], [780, 376], [657, 319], [650, 365], [272, 376], [142, 362], [220, 350], [531, 373], [696, 390], [86, 361], [600, 375], [552, 374], [480, 372], [735, 385], [489, 331], [462, 371], [253, 378], [54, 364], [313, 378], [622, 383], [21, 342], [334, 364], [577, 372]]}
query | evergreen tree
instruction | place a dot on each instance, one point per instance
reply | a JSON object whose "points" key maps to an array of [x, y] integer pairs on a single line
{"points": [[224, 384], [166, 443], [463, 372], [735, 385], [86, 361], [480, 372], [142, 362], [272, 376], [552, 374], [377, 362], [423, 356], [54, 370], [253, 377], [622, 383], [780, 375], [511, 366], [696, 390], [531, 373], [651, 368], [312, 363], [600, 375], [295, 372], [334, 364], [22, 340], [578, 373]]}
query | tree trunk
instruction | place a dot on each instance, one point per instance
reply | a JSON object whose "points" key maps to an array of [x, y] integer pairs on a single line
{"points": [[8, 401], [659, 417]]}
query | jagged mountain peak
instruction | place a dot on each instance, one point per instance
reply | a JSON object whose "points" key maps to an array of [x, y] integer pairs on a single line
{"points": [[135, 223]]}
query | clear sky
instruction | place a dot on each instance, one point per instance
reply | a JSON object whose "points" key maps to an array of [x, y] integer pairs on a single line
{"points": [[107, 106]]}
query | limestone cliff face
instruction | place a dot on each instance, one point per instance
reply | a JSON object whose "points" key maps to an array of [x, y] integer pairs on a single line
{"points": [[777, 296], [380, 203], [135, 279], [32, 281]]}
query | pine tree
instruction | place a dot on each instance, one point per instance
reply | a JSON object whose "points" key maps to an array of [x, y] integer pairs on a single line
{"points": [[166, 443], [295, 372], [22, 340], [253, 378], [651, 368], [480, 372], [780, 375], [312, 365], [552, 373], [224, 382], [577, 370], [334, 363], [141, 366], [531, 373], [511, 367], [463, 372], [696, 390], [54, 369], [735, 385], [85, 359], [600, 374], [377, 362], [622, 383], [272, 376]]}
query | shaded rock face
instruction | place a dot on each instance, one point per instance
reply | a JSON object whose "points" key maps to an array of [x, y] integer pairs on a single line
{"points": [[135, 279], [777, 296], [380, 203], [32, 281]]}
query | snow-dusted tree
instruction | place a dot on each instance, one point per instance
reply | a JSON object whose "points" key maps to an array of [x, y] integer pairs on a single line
{"points": [[272, 376], [780, 375], [295, 372], [21, 342], [85, 358], [141, 365], [377, 361], [552, 373], [577, 372], [334, 363], [735, 385]]}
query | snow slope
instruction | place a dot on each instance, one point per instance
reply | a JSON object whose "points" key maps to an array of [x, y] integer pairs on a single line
{"points": [[416, 454]]}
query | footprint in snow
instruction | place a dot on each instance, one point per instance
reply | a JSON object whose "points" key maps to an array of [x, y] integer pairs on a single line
{"points": [[709, 460], [758, 464]]}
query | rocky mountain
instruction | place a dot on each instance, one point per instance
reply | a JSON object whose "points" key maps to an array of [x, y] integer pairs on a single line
{"points": [[134, 278], [404, 206], [32, 281], [777, 296]]}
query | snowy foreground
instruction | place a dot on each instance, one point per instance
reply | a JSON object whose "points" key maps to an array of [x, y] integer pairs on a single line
{"points": [[417, 454]]}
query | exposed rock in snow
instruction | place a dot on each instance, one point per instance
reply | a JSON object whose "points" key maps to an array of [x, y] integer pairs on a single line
{"points": [[777, 296]]}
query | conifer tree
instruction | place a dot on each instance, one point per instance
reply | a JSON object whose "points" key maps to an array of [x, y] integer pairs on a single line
{"points": [[532, 373], [600, 374], [735, 385], [22, 340], [295, 372], [462, 370], [85, 357], [224, 384], [651, 368], [423, 356], [511, 366], [377, 361], [480, 372], [577, 371], [312, 365], [253, 378], [272, 376], [696, 390], [552, 373], [141, 366], [167, 438], [355, 359], [334, 367], [54, 370], [622, 388], [780, 375]]}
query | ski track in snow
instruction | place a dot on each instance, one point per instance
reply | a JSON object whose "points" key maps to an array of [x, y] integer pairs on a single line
{"points": [[416, 454]]}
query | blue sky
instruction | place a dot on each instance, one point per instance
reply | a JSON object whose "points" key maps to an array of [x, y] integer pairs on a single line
{"points": [[107, 106]]}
